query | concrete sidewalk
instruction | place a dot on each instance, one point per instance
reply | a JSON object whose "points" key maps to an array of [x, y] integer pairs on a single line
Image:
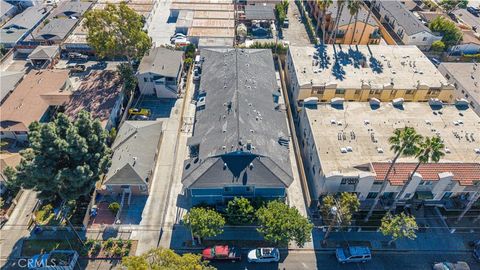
{"points": [[427, 242]]}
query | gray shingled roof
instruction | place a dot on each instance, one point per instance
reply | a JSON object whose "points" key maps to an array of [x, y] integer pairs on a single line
{"points": [[404, 17], [134, 154], [162, 61], [70, 8], [239, 88], [44, 52], [55, 30], [28, 18], [9, 80], [259, 12]]}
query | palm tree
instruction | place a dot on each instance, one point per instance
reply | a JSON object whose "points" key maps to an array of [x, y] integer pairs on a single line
{"points": [[429, 150], [403, 142], [365, 25], [340, 6], [353, 7], [324, 5]]}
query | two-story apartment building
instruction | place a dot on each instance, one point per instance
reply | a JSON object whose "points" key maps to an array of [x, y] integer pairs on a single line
{"points": [[159, 72], [347, 25], [408, 28], [240, 139], [466, 79], [363, 72], [346, 149]]}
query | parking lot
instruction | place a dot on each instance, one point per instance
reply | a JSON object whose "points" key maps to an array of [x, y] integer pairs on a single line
{"points": [[159, 107]]}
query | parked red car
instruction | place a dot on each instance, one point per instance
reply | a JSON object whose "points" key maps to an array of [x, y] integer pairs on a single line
{"points": [[221, 253]]}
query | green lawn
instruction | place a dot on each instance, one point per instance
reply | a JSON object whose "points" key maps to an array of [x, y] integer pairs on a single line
{"points": [[33, 247]]}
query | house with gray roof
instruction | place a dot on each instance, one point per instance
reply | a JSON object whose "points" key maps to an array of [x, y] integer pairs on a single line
{"points": [[9, 79], [135, 153], [240, 142], [44, 56], [60, 23], [20, 26], [406, 26], [7, 11], [159, 72]]}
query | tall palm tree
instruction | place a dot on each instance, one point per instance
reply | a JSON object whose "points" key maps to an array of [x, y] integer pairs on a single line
{"points": [[365, 25], [429, 150], [356, 6], [324, 5], [353, 7], [333, 34], [403, 142]]}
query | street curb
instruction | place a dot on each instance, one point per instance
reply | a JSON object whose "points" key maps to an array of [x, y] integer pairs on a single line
{"points": [[333, 249]]}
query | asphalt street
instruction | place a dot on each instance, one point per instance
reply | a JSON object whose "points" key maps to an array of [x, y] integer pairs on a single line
{"points": [[326, 260]]}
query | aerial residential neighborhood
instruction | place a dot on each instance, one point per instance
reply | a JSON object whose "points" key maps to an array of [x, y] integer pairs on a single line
{"points": [[240, 134]]}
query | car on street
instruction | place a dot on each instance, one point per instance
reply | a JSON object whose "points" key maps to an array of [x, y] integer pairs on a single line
{"points": [[286, 23], [435, 61], [140, 117], [74, 67], [475, 11], [264, 255], [77, 56], [460, 265], [221, 253], [197, 74], [177, 36], [353, 254], [137, 111]]}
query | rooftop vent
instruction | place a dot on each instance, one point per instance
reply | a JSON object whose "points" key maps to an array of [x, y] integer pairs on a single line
{"points": [[379, 150]]}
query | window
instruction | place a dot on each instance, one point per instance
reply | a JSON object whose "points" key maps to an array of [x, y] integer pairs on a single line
{"points": [[145, 79], [372, 195], [357, 92], [340, 91], [377, 182], [319, 90], [349, 180], [447, 76], [424, 39], [409, 92], [407, 196]]}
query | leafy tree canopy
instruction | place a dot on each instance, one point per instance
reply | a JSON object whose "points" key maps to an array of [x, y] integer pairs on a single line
{"points": [[452, 5], [438, 46], [116, 31], [281, 224], [451, 34], [399, 226], [240, 211], [165, 259], [204, 222], [346, 205], [64, 159]]}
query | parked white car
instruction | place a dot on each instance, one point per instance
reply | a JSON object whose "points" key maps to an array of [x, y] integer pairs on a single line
{"points": [[264, 255]]}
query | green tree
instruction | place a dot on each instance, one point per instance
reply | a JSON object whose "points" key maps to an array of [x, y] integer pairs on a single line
{"points": [[64, 159], [127, 77], [451, 5], [116, 31], [338, 212], [451, 33], [114, 207], [281, 224], [164, 259], [190, 51], [438, 46], [280, 13], [340, 7], [353, 7], [428, 150], [204, 222], [240, 211], [323, 5], [403, 142], [399, 226]]}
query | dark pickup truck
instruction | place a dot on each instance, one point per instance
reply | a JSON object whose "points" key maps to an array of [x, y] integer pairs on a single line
{"points": [[221, 253]]}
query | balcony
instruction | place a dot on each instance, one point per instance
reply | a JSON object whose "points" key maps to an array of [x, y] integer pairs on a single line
{"points": [[375, 35]]}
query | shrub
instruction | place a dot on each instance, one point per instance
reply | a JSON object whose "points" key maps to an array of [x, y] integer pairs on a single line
{"points": [[438, 46], [117, 251], [120, 243], [109, 243], [114, 207], [128, 244], [96, 248]]}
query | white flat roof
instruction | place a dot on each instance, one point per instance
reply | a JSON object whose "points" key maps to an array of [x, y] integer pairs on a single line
{"points": [[468, 75], [375, 65], [359, 121]]}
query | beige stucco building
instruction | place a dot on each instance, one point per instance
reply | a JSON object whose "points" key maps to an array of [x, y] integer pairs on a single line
{"points": [[346, 149], [363, 72]]}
